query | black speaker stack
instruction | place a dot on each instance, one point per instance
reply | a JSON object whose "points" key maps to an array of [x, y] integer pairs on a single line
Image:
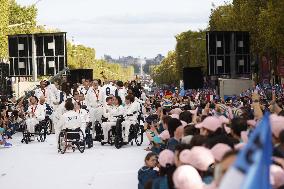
{"points": [[5, 80], [50, 55], [76, 76], [228, 53], [193, 78]]}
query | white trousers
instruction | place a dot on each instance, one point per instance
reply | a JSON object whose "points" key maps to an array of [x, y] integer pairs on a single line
{"points": [[126, 125], [96, 114], [31, 123], [106, 126]]}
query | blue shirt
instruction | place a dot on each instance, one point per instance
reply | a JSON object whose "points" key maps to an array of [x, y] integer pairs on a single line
{"points": [[144, 175], [160, 183], [172, 143]]}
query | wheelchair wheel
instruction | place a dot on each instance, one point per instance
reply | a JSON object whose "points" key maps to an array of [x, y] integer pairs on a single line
{"points": [[98, 132], [41, 133], [81, 144], [118, 141], [61, 143], [139, 136], [89, 141], [111, 136], [48, 126]]}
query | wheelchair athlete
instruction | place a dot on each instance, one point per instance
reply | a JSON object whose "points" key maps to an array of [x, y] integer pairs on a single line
{"points": [[34, 115], [131, 115], [69, 120], [84, 114], [112, 113]]}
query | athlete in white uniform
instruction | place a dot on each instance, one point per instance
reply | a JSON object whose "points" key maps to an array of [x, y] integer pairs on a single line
{"points": [[50, 96], [85, 117], [116, 110], [83, 89], [93, 97], [93, 101], [35, 114], [130, 114], [121, 91], [69, 120], [108, 90]]}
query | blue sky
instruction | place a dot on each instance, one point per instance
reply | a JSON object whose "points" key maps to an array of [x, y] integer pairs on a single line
{"points": [[125, 27]]}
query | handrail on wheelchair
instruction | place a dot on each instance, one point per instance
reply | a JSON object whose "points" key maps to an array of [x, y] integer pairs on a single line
{"points": [[117, 116], [131, 114]]}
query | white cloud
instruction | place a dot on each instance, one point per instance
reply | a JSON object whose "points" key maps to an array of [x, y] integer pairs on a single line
{"points": [[125, 27]]}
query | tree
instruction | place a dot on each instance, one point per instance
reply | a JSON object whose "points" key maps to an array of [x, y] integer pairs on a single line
{"points": [[263, 19], [190, 51], [15, 19], [80, 56], [222, 18], [166, 72], [23, 15], [4, 21]]}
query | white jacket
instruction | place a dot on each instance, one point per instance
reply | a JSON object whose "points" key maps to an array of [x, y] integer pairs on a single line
{"points": [[38, 110], [131, 110], [70, 120], [93, 97], [50, 95], [106, 91], [122, 93], [115, 111], [85, 117]]}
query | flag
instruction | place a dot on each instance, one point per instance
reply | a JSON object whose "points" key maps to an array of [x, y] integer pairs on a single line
{"points": [[182, 92], [251, 169]]}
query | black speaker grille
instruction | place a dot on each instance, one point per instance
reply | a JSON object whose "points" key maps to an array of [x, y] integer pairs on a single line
{"points": [[51, 54], [193, 78]]}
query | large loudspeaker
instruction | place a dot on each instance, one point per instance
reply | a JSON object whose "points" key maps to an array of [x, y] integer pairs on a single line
{"points": [[5, 80], [228, 53], [51, 54], [77, 75], [193, 78]]}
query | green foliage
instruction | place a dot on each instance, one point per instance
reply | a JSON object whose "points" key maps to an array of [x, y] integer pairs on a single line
{"points": [[82, 57], [110, 71], [222, 18], [15, 19], [190, 50], [25, 15], [271, 24], [262, 18], [166, 72], [136, 68], [4, 21]]}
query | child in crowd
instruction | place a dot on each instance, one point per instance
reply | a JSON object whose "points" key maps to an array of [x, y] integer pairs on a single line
{"points": [[3, 140], [175, 133], [147, 172]]}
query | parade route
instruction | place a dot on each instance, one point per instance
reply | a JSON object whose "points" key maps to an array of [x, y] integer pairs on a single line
{"points": [[38, 165]]}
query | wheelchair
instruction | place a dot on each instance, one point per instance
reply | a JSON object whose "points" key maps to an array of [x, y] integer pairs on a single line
{"points": [[49, 125], [115, 134], [71, 139], [39, 135], [48, 121], [98, 131], [89, 135]]}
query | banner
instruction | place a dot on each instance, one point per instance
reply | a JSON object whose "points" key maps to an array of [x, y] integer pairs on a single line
{"points": [[251, 169]]}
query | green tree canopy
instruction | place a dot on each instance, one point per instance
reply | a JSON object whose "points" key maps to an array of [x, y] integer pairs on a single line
{"points": [[166, 72], [190, 51]]}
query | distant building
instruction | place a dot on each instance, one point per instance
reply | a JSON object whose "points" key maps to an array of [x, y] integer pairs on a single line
{"points": [[130, 60]]}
